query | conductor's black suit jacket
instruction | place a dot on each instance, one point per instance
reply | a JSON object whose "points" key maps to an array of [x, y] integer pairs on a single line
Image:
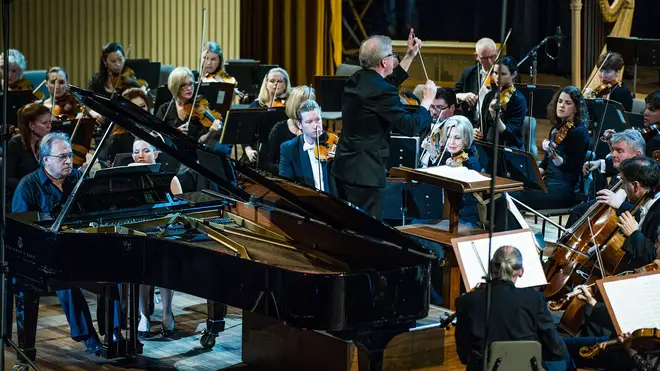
{"points": [[371, 109]]}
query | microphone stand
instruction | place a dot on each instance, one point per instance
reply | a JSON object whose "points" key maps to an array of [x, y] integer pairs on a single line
{"points": [[4, 267]]}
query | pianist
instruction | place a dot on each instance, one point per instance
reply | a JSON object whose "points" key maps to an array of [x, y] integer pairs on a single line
{"points": [[297, 159], [42, 190]]}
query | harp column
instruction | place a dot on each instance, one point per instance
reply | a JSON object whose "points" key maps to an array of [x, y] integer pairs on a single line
{"points": [[576, 47]]}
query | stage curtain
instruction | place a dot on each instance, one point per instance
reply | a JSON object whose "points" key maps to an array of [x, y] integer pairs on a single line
{"points": [[303, 37]]}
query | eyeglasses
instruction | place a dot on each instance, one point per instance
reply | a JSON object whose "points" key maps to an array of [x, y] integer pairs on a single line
{"points": [[187, 85], [63, 157], [438, 108], [483, 58], [392, 54]]}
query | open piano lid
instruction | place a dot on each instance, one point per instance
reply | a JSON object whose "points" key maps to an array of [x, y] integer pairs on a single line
{"points": [[303, 201]]}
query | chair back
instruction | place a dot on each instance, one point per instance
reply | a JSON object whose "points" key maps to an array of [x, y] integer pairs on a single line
{"points": [[514, 356], [36, 77], [529, 135]]}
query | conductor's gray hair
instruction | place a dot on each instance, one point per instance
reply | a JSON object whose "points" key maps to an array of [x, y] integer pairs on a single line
{"points": [[506, 262], [373, 49]]}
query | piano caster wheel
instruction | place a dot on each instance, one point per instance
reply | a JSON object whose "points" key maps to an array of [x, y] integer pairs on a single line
{"points": [[207, 340]]}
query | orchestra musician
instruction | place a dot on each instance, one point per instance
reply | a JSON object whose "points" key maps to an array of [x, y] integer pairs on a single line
{"points": [[284, 130], [17, 65], [145, 153], [468, 88], [641, 176], [624, 145], [57, 82], [562, 163], [297, 159], [111, 65], [274, 92], [213, 69], [515, 314], [180, 84], [121, 140], [443, 107], [612, 85], [513, 108], [371, 109], [22, 153], [43, 191]]}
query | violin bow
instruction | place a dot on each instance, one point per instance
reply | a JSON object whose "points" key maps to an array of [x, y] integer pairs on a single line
{"points": [[596, 74], [419, 51], [201, 66], [499, 52]]}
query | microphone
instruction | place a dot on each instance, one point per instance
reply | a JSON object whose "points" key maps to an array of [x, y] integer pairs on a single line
{"points": [[559, 37]]}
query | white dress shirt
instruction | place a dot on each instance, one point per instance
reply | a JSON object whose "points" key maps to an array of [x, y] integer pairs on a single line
{"points": [[644, 210], [316, 167]]}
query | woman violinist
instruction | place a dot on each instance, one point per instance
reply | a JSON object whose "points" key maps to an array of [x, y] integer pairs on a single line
{"points": [[611, 84], [513, 106], [66, 105], [111, 65], [176, 112], [284, 130], [17, 65], [213, 69], [565, 151], [274, 92]]}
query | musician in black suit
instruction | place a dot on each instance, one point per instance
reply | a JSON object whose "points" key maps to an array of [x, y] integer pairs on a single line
{"points": [[624, 145], [611, 87], [470, 89], [42, 190], [515, 314], [371, 109], [297, 160]]}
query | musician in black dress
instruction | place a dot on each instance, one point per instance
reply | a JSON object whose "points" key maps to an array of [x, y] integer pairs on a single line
{"points": [[22, 152], [515, 314], [285, 130], [121, 140], [611, 81], [174, 113], [562, 165], [513, 107], [42, 191], [652, 121]]}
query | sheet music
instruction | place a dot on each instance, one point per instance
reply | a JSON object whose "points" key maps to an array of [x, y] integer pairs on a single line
{"points": [[635, 302], [460, 173], [523, 241]]}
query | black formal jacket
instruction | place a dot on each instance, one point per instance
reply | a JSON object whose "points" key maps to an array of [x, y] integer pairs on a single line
{"points": [[515, 314], [294, 164], [20, 161], [513, 118], [469, 83], [639, 247], [653, 145], [371, 109], [622, 95]]}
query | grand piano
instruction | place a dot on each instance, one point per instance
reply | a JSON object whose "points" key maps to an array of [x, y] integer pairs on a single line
{"points": [[262, 244]]}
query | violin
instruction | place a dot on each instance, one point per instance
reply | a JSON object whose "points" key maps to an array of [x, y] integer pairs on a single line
{"points": [[279, 101], [128, 80], [408, 98], [325, 150], [602, 90], [560, 133], [67, 107], [202, 112], [648, 132], [641, 340], [458, 159]]}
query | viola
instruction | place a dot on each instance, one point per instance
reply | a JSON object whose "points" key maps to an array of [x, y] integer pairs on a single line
{"points": [[67, 107], [458, 159], [202, 112], [641, 340], [327, 147]]}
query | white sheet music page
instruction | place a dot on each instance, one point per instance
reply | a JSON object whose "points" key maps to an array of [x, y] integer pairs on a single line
{"points": [[473, 273], [460, 173], [635, 302]]}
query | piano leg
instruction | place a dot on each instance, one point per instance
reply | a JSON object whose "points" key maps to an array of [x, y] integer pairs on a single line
{"points": [[27, 313], [371, 344], [215, 323]]}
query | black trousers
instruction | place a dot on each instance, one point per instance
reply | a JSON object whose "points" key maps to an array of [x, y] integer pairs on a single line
{"points": [[369, 199]]}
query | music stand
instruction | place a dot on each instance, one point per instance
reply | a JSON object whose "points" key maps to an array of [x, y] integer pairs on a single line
{"points": [[329, 92], [260, 71], [242, 71], [163, 96], [642, 52], [605, 114], [538, 98], [16, 99], [219, 95], [636, 120], [512, 164], [145, 70]]}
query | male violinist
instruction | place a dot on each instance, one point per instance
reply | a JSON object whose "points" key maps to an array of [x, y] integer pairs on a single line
{"points": [[371, 109], [297, 159], [470, 89]]}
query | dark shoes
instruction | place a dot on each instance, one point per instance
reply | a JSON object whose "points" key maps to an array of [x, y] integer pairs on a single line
{"points": [[167, 332], [92, 345]]}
